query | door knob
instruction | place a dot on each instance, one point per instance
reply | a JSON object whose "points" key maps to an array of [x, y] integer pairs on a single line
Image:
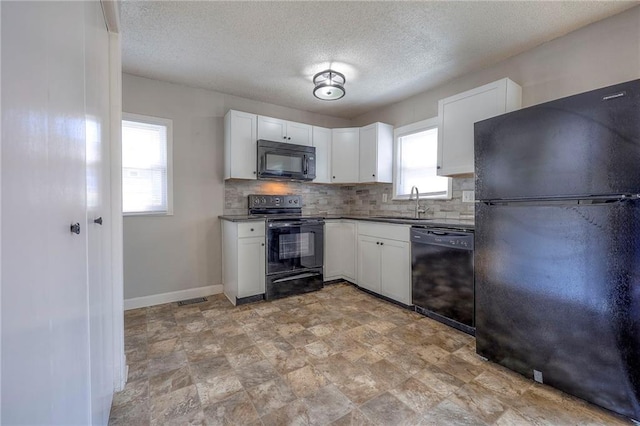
{"points": [[98, 221], [75, 228]]}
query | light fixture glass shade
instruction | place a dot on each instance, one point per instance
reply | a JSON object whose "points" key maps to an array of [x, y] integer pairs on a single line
{"points": [[329, 85]]}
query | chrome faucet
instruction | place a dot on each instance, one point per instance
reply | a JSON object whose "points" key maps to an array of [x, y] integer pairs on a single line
{"points": [[418, 209]]}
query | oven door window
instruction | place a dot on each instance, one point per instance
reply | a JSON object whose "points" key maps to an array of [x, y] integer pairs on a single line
{"points": [[294, 248]]}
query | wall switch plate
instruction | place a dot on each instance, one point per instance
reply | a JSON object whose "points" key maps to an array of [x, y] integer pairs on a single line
{"points": [[384, 197], [468, 196]]}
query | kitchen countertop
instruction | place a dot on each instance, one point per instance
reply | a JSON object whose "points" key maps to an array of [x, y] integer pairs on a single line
{"points": [[430, 223]]}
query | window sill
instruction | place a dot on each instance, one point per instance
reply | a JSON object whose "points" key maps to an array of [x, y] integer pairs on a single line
{"points": [[147, 214]]}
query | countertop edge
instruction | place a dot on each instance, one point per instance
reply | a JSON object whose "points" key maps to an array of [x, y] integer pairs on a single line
{"points": [[432, 223]]}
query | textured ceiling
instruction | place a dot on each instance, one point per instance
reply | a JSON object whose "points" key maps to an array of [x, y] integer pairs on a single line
{"points": [[388, 51]]}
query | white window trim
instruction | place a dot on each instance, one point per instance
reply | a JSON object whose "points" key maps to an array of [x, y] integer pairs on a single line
{"points": [[168, 123], [398, 132]]}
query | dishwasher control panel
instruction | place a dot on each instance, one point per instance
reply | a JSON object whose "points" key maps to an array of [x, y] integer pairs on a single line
{"points": [[442, 237]]}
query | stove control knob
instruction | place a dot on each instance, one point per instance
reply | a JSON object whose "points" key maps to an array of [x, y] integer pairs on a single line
{"points": [[295, 201], [290, 201]]}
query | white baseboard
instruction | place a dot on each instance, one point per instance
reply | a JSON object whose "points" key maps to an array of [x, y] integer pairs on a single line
{"points": [[173, 296]]}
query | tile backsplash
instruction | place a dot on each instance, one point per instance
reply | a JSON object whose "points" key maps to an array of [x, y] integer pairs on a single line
{"points": [[357, 199]]}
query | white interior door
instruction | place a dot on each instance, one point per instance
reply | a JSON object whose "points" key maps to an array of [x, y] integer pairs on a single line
{"points": [[57, 313], [45, 327], [98, 212]]}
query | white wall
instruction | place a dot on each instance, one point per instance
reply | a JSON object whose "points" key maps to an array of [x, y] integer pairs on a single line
{"points": [[182, 252], [604, 53]]}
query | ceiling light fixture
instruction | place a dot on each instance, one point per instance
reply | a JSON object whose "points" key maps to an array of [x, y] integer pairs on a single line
{"points": [[329, 85]]}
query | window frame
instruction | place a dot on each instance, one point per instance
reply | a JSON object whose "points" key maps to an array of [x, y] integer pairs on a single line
{"points": [[406, 130], [158, 121]]}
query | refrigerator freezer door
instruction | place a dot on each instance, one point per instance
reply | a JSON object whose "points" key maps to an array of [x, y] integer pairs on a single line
{"points": [[583, 145], [558, 291]]}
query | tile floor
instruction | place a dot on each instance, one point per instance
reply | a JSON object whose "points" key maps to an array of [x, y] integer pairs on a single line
{"points": [[337, 356]]}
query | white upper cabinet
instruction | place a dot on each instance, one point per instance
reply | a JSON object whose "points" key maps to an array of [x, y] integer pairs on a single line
{"points": [[345, 155], [457, 115], [376, 153], [240, 145], [274, 129], [299, 134], [322, 143]]}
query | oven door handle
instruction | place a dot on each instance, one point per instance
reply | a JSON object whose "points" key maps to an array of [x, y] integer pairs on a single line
{"points": [[290, 224], [297, 277]]}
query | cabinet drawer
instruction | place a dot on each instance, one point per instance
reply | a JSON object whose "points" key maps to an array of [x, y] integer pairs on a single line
{"points": [[251, 229], [391, 232]]}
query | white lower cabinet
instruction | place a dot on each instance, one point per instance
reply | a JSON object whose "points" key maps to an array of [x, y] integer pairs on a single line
{"points": [[251, 272], [243, 253], [369, 255], [384, 260], [339, 250], [395, 274]]}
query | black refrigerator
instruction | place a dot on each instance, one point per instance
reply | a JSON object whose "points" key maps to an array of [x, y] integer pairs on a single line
{"points": [[557, 244]]}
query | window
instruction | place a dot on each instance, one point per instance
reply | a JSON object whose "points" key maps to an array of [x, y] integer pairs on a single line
{"points": [[416, 158], [146, 165]]}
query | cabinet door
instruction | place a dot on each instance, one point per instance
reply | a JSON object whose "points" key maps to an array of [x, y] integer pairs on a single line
{"points": [[322, 142], [348, 250], [368, 153], [395, 281], [332, 250], [298, 133], [240, 145], [251, 266], [457, 116], [369, 263], [345, 155], [272, 129]]}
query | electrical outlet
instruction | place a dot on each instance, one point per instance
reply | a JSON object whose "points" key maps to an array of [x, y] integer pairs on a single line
{"points": [[468, 196], [384, 197], [537, 376]]}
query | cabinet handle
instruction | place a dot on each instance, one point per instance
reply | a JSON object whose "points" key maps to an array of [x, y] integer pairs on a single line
{"points": [[438, 167], [334, 177], [373, 175], [289, 138], [381, 244], [251, 229], [262, 244], [254, 172], [284, 137], [377, 242], [75, 228], [98, 220]]}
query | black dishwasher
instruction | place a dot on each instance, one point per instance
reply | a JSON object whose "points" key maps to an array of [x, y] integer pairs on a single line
{"points": [[442, 284]]}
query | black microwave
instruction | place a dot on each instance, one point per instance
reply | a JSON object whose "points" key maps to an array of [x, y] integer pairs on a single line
{"points": [[279, 160]]}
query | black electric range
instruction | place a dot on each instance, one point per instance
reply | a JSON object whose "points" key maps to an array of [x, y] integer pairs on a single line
{"points": [[295, 245]]}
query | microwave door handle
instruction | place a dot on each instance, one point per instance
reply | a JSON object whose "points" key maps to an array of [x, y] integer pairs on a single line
{"points": [[306, 165]]}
